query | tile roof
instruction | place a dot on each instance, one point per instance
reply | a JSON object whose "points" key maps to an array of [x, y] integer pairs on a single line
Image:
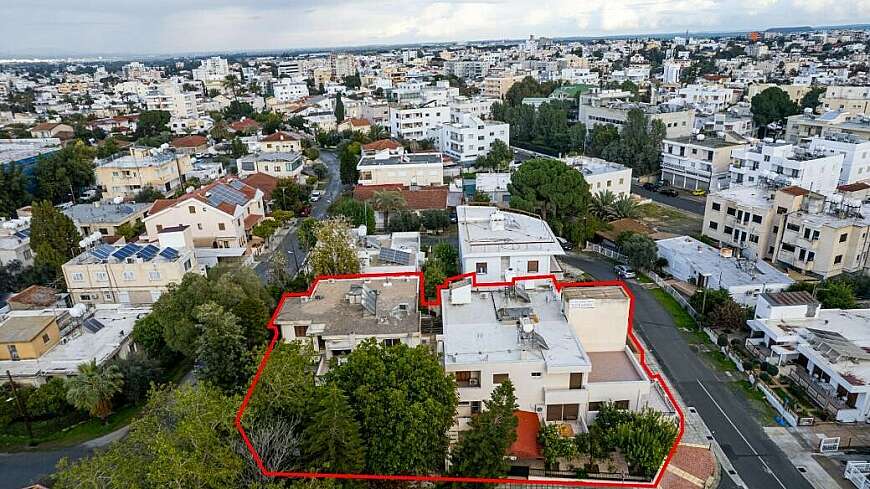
{"points": [[244, 125], [199, 194], [263, 181], [356, 122], [796, 298], [420, 198], [45, 126], [252, 220], [381, 144], [191, 141], [280, 136], [35, 295], [795, 190], [853, 187]]}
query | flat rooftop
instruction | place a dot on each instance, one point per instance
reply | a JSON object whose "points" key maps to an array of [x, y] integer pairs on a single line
{"points": [[122, 161], [588, 165], [23, 149], [105, 212], [23, 326], [402, 159], [485, 330], [747, 195], [707, 142], [82, 344], [371, 306], [613, 366], [272, 156], [480, 233]]}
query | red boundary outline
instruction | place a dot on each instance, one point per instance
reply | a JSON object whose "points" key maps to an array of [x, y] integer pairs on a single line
{"points": [[437, 302]]}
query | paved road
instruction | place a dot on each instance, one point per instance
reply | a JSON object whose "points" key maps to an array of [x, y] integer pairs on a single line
{"points": [[290, 242], [757, 460], [682, 202]]}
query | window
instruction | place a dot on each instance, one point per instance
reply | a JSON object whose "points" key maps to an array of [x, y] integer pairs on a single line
{"points": [[300, 331], [562, 412], [101, 276], [532, 266], [536, 374], [717, 206], [480, 268], [844, 237], [154, 275], [475, 407], [781, 210], [191, 209], [500, 378], [838, 259], [787, 247], [621, 405], [78, 277], [576, 380], [46, 338], [793, 227], [222, 226], [713, 225], [731, 211], [159, 227], [729, 230], [85, 297], [753, 238], [756, 218], [129, 276], [391, 341], [199, 226]]}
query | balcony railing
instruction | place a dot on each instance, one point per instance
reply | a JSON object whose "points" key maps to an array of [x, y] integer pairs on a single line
{"points": [[822, 393]]}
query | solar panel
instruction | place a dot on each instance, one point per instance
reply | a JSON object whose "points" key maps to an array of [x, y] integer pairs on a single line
{"points": [[103, 251], [148, 252], [127, 251], [224, 193], [169, 253], [93, 325], [370, 299], [236, 184], [23, 234], [396, 256]]}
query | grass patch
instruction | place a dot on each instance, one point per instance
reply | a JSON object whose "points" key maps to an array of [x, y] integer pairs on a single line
{"points": [[763, 411], [680, 316], [655, 211], [721, 361], [643, 279], [79, 433]]}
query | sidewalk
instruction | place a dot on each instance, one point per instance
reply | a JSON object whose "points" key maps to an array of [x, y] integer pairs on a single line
{"points": [[802, 458]]}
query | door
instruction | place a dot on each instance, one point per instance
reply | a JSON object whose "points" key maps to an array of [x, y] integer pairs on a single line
{"points": [[13, 352]]}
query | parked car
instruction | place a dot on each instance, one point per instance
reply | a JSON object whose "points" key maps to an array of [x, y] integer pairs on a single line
{"points": [[699, 192], [624, 271], [669, 192], [565, 244], [315, 196], [652, 186]]}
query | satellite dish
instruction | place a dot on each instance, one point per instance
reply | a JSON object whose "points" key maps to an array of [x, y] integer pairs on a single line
{"points": [[528, 327], [78, 310]]}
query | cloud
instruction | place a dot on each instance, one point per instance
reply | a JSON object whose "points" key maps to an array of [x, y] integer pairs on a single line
{"points": [[163, 26]]}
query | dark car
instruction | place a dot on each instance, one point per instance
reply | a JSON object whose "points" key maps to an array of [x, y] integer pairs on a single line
{"points": [[653, 186], [565, 244], [669, 192]]}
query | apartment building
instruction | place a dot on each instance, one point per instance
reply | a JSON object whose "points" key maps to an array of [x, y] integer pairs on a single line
{"points": [[171, 97], [500, 244], [709, 99], [602, 175], [280, 142], [339, 314], [218, 215], [610, 107], [387, 167], [785, 164], [26, 335], [498, 86], [470, 69], [415, 123], [293, 68], [742, 217], [15, 242], [105, 217], [275, 163], [466, 136], [128, 274], [805, 126], [211, 70], [855, 151], [563, 349], [125, 175], [824, 351], [289, 90], [700, 161], [853, 99]]}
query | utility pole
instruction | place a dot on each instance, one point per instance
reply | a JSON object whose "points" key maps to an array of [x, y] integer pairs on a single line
{"points": [[21, 409]]}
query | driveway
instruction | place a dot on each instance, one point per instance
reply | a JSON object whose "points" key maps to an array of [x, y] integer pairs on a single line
{"points": [[757, 460]]}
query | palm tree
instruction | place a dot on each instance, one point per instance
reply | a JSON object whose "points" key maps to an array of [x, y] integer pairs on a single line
{"points": [[93, 388], [601, 205], [625, 208], [377, 131], [231, 83], [219, 128], [387, 201]]}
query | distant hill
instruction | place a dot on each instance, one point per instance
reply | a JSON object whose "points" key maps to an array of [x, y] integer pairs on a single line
{"points": [[803, 28]]}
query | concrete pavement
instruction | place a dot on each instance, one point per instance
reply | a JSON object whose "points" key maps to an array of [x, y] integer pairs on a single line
{"points": [[757, 461]]}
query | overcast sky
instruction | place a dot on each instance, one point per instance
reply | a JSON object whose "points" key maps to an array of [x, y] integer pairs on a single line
{"points": [[48, 27]]}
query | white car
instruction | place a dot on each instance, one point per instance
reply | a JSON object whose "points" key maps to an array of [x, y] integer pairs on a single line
{"points": [[624, 271], [315, 196]]}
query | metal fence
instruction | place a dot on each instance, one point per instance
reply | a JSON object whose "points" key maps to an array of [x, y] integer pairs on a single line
{"points": [[675, 294], [613, 255]]}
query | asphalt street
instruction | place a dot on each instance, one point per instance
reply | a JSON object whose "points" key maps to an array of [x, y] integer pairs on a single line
{"points": [[682, 202], [290, 242], [757, 460]]}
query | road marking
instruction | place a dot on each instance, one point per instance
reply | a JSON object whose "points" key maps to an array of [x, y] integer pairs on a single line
{"points": [[754, 451]]}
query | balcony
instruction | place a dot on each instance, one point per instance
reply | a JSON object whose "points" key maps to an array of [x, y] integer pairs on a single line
{"points": [[467, 378], [822, 393]]}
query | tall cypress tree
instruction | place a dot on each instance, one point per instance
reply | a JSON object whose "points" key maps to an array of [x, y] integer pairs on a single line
{"points": [[339, 108], [331, 441], [53, 237], [481, 450]]}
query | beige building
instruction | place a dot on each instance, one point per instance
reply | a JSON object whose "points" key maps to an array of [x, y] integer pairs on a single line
{"points": [[280, 142], [498, 86], [407, 169], [274, 163], [795, 92], [28, 334], [128, 274], [805, 126], [127, 174], [219, 215], [611, 107], [849, 98]]}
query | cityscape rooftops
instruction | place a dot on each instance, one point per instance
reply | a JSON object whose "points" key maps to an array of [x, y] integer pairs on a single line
{"points": [[25, 149], [272, 156], [106, 253], [137, 158], [747, 195], [108, 212], [363, 307], [227, 195], [588, 165], [707, 142]]}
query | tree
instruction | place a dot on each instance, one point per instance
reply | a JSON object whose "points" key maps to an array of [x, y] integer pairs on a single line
{"points": [[348, 157], [639, 143], [837, 295], [62, 175], [404, 403], [108, 148], [640, 250], [238, 148], [220, 130], [331, 441], [288, 195], [602, 205], [220, 348], [448, 255], [305, 232], [339, 108], [434, 219], [148, 194], [312, 154], [404, 221], [334, 253], [481, 449], [810, 100], [53, 237], [386, 201], [352, 81], [152, 123], [770, 106], [433, 276], [232, 83], [131, 230], [357, 213], [549, 188], [625, 208], [377, 131], [237, 110], [498, 158], [93, 388], [286, 386], [271, 121], [601, 137], [13, 189], [139, 372], [728, 316]]}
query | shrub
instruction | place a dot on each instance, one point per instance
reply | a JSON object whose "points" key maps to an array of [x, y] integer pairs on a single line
{"points": [[771, 369], [722, 340], [48, 400], [764, 376], [747, 365]]}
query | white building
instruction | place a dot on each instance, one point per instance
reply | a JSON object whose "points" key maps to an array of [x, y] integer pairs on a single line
{"points": [[15, 242], [824, 351], [692, 261], [602, 175], [415, 123], [407, 169], [275, 163], [671, 74], [466, 137], [289, 90], [214, 69], [855, 151], [171, 97], [389, 253], [707, 98], [785, 164], [699, 161], [497, 244]]}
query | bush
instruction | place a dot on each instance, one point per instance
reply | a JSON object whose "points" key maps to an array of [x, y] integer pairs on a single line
{"points": [[48, 400], [722, 340], [772, 369], [139, 373], [765, 377], [747, 365]]}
